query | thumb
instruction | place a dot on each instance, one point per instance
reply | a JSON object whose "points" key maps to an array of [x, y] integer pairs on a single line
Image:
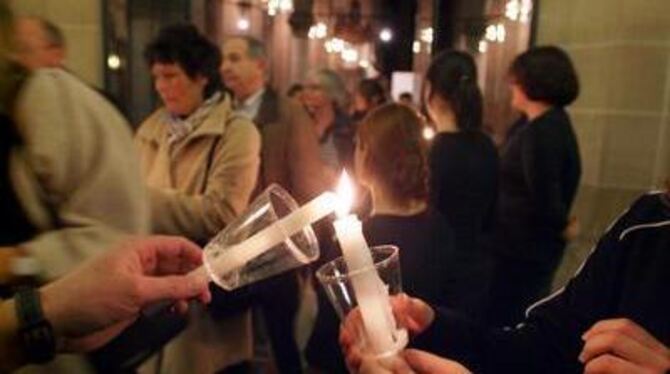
{"points": [[424, 362], [171, 287]]}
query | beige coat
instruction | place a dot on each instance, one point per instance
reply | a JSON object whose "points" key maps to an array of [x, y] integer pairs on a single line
{"points": [[195, 192], [77, 177], [208, 180]]}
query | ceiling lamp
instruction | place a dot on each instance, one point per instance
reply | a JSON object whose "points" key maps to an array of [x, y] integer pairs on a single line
{"points": [[427, 35], [518, 10], [279, 6], [350, 26], [318, 31], [416, 47]]}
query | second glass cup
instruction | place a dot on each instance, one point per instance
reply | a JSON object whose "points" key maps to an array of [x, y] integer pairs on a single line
{"points": [[337, 281]]}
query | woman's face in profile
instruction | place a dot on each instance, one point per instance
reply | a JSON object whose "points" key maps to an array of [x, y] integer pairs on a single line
{"points": [[180, 94]]}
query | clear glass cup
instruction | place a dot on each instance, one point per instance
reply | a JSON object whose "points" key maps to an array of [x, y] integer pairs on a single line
{"points": [[295, 251], [337, 282]]}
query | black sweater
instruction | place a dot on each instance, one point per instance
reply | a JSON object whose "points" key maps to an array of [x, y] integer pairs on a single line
{"points": [[539, 174], [464, 183], [426, 249], [626, 276]]}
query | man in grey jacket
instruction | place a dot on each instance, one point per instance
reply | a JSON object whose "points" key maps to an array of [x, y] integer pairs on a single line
{"points": [[290, 158]]}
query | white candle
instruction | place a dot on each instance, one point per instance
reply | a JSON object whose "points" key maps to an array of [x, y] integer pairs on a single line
{"points": [[370, 291], [239, 254]]}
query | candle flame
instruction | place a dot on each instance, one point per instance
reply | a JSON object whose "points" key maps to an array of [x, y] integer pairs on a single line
{"points": [[345, 194]]}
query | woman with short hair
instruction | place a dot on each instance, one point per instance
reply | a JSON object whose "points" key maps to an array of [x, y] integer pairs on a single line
{"points": [[326, 99], [200, 162], [540, 171]]}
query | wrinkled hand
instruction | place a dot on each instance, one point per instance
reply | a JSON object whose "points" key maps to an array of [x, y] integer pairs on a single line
{"points": [[412, 361], [621, 346], [390, 365], [94, 303], [423, 362], [410, 313]]}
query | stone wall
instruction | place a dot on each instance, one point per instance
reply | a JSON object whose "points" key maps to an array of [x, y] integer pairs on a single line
{"points": [[621, 49], [81, 23]]}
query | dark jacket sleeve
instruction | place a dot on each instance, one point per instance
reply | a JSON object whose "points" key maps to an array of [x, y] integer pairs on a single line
{"points": [[549, 340], [542, 157]]}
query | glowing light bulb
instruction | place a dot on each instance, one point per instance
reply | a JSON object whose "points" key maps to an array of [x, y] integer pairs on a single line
{"points": [[243, 24], [114, 62], [483, 46], [427, 35], [416, 46], [385, 35]]}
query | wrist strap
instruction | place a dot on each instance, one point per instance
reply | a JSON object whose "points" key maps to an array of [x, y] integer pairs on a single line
{"points": [[36, 333]]}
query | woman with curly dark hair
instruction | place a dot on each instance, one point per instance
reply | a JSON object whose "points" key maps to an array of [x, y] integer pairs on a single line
{"points": [[200, 163], [540, 171]]}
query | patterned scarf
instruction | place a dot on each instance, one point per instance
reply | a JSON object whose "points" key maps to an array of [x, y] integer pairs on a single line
{"points": [[179, 128]]}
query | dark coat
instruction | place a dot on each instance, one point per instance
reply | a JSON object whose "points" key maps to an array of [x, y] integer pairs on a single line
{"points": [[290, 150], [540, 170]]}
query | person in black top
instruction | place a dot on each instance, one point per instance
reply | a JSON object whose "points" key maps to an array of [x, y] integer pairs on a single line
{"points": [[390, 162], [612, 317], [539, 174], [463, 164]]}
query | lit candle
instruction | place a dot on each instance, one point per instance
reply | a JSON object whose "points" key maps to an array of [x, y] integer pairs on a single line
{"points": [[370, 291], [239, 254]]}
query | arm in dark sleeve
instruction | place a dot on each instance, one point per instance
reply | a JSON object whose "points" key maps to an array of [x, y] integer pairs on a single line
{"points": [[541, 157], [490, 218], [549, 340]]}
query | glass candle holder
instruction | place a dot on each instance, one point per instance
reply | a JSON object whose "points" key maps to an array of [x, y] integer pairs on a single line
{"points": [[337, 281], [229, 258]]}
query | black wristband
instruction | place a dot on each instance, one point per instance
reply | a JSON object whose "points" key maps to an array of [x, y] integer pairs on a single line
{"points": [[35, 332]]}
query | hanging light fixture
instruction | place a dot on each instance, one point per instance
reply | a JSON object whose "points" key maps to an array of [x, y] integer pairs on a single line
{"points": [[496, 33], [279, 6], [518, 10], [318, 31], [427, 35], [349, 55], [416, 47]]}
